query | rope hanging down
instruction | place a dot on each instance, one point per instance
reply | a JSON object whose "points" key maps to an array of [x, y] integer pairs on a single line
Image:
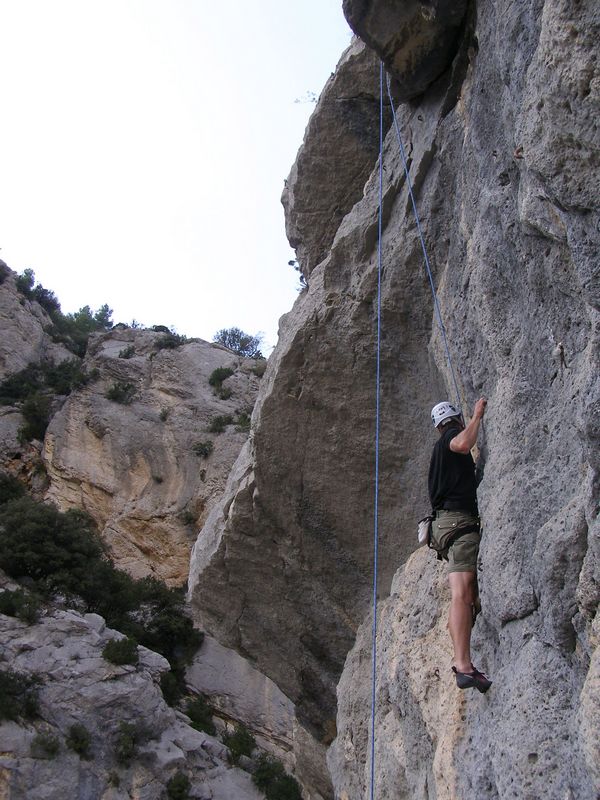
{"points": [[438, 315], [377, 418]]}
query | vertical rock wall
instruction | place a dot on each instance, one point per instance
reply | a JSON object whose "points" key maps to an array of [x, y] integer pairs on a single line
{"points": [[503, 149]]}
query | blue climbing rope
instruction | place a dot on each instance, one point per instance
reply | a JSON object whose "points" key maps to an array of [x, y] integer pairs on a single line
{"points": [[377, 418], [438, 315], [436, 305]]}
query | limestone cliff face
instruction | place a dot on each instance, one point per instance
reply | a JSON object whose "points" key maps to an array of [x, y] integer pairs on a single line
{"points": [[503, 153], [132, 462], [133, 466], [23, 324]]}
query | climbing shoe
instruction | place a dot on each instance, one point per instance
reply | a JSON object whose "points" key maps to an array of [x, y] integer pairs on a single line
{"points": [[468, 680]]}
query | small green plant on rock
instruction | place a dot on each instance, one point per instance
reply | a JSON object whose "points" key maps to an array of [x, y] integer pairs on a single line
{"points": [[240, 743], [242, 423], [44, 745], [79, 740], [18, 695], [203, 449], [271, 778], [200, 714], [218, 375], [121, 651], [164, 414], [127, 352], [170, 686], [178, 787], [20, 604], [126, 743], [170, 341], [36, 413], [219, 424], [260, 367], [121, 393]]}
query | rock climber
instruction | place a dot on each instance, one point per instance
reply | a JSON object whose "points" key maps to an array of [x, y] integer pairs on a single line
{"points": [[455, 531]]}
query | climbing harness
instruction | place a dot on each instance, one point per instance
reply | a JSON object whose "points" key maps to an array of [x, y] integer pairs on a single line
{"points": [[440, 322]]}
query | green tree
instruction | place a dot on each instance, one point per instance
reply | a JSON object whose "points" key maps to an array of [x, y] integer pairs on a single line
{"points": [[241, 343]]}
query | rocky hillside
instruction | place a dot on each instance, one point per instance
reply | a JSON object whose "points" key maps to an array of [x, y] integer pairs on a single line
{"points": [[497, 104], [95, 730], [142, 441]]}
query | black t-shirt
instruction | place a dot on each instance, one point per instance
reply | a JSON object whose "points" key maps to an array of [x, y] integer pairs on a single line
{"points": [[452, 484]]}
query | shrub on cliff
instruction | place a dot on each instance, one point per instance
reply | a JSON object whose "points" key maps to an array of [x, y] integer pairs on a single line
{"points": [[61, 378], [126, 743], [260, 367], [36, 414], [241, 343], [79, 740], [240, 743], [45, 745], [218, 375], [121, 651], [20, 604], [178, 787], [72, 330], [18, 695], [203, 449], [63, 554], [56, 550], [200, 714], [33, 388], [10, 488], [219, 424], [20, 385], [127, 352], [170, 341], [271, 778], [121, 392]]}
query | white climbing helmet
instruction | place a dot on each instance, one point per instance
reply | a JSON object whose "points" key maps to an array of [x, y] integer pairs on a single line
{"points": [[443, 411]]}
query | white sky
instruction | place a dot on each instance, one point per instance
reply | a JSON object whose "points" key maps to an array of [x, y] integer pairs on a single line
{"points": [[143, 148]]}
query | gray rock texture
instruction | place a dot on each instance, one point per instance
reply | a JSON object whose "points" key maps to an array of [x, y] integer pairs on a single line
{"points": [[23, 323], [340, 145], [78, 686], [503, 155]]}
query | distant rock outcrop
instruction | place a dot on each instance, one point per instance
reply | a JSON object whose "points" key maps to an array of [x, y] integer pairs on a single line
{"points": [[147, 464], [24, 325], [136, 467]]}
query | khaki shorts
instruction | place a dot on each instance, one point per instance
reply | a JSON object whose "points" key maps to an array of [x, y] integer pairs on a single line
{"points": [[462, 555]]}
